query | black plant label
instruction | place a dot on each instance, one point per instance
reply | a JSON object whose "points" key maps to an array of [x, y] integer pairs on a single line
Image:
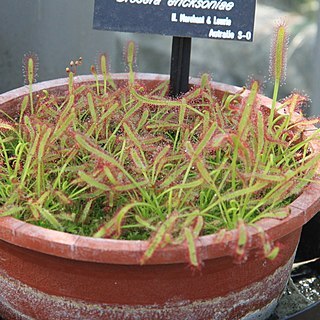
{"points": [[226, 20]]}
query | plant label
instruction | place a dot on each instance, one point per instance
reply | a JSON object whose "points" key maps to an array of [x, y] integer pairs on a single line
{"points": [[226, 20]]}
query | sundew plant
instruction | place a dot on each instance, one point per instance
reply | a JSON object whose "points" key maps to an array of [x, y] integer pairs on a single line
{"points": [[124, 161]]}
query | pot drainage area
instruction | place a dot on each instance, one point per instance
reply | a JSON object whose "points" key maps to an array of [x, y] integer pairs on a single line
{"points": [[301, 300]]}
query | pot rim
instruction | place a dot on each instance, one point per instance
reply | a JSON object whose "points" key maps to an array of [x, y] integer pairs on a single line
{"points": [[112, 251]]}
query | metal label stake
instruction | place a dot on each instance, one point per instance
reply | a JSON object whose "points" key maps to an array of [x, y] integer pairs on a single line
{"points": [[180, 66]]}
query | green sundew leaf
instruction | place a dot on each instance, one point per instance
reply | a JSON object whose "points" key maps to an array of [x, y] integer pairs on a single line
{"points": [[163, 125], [114, 225], [235, 194], [63, 168], [43, 198], [182, 112], [244, 155], [30, 70], [304, 123], [158, 238], [109, 112], [269, 252], [292, 151], [252, 189], [203, 172], [144, 223], [10, 210], [153, 140], [276, 214], [122, 156], [197, 123], [105, 72], [30, 157], [109, 175], [23, 108], [29, 126], [70, 83], [190, 150], [268, 177], [279, 58], [260, 135], [103, 231], [173, 176], [63, 216], [103, 64], [176, 157], [161, 89], [62, 197], [186, 135], [132, 136], [95, 74], [66, 110], [35, 212], [62, 126], [6, 126], [246, 112], [93, 182], [92, 109], [131, 50], [242, 237], [193, 94], [158, 162], [198, 226], [205, 81], [46, 214], [20, 149], [95, 150], [160, 102], [137, 160], [205, 140], [43, 142], [79, 90], [85, 212], [102, 154], [130, 186], [219, 140], [186, 185], [206, 121], [274, 196], [111, 199], [271, 255], [231, 97], [132, 110], [191, 247], [143, 120]]}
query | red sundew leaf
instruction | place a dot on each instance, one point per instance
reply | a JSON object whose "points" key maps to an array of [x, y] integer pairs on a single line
{"points": [[159, 236]]}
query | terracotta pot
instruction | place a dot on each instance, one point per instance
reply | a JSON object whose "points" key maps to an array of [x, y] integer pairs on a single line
{"points": [[47, 274]]}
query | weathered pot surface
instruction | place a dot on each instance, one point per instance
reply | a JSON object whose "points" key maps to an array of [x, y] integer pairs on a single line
{"points": [[46, 274]]}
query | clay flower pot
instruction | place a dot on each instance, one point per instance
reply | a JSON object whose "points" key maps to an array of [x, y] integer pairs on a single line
{"points": [[47, 274]]}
